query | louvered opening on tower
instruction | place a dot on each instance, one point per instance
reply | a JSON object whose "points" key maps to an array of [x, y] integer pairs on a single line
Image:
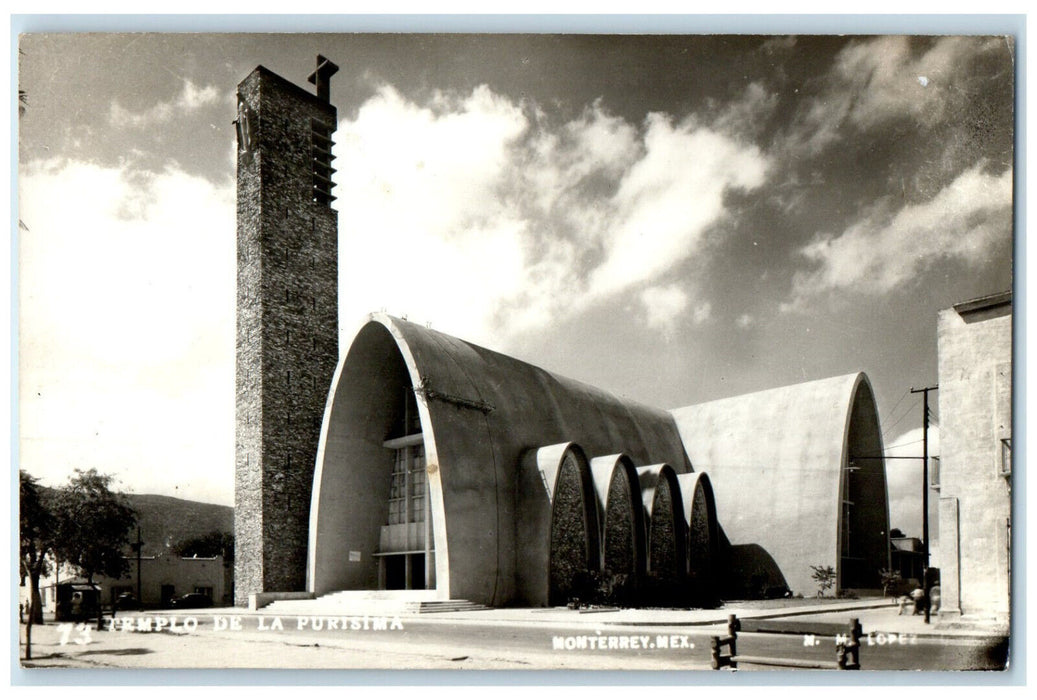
{"points": [[322, 171]]}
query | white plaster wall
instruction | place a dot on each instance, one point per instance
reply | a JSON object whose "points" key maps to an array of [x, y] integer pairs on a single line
{"points": [[975, 355]]}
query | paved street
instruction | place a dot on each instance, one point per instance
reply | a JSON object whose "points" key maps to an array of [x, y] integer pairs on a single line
{"points": [[505, 639]]}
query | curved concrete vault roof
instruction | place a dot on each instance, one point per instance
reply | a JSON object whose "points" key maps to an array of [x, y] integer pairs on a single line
{"points": [[778, 462], [481, 413]]}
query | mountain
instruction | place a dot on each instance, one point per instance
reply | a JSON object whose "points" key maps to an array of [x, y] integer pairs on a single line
{"points": [[164, 521]]}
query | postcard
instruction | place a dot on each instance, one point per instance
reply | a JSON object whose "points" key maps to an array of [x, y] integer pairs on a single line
{"points": [[673, 352]]}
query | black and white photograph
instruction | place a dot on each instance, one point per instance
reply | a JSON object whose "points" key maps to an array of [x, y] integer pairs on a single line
{"points": [[516, 351]]}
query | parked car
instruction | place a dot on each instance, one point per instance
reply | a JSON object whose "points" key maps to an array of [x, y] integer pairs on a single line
{"points": [[192, 600], [127, 601]]}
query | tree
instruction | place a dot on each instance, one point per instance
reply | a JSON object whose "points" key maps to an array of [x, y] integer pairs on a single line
{"points": [[891, 581], [94, 524], [211, 544], [36, 533], [825, 577]]}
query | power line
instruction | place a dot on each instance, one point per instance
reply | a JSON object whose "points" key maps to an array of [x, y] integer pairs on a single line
{"points": [[906, 413], [901, 444], [908, 409], [891, 411]]}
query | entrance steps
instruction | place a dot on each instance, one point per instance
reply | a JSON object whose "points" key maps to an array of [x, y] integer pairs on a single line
{"points": [[372, 603]]}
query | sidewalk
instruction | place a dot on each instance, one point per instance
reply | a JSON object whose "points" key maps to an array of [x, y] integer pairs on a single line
{"points": [[875, 615]]}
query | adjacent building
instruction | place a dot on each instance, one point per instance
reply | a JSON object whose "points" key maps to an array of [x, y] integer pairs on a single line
{"points": [[975, 469], [907, 558], [163, 577]]}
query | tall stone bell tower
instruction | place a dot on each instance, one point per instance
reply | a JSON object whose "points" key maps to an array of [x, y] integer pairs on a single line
{"points": [[287, 320]]}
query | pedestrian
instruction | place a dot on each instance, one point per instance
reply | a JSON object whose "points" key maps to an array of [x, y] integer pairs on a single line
{"points": [[918, 596], [904, 602]]}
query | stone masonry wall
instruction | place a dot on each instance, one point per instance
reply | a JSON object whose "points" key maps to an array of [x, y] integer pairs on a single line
{"points": [[287, 331]]}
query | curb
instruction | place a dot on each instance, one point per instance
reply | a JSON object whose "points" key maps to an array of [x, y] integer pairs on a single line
{"points": [[701, 624]]}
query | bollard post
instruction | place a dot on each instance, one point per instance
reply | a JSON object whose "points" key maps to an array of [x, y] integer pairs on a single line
{"points": [[853, 649], [733, 627], [732, 631], [716, 645]]}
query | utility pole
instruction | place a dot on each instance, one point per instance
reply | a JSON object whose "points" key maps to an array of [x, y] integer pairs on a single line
{"points": [[925, 489], [137, 546], [925, 467]]}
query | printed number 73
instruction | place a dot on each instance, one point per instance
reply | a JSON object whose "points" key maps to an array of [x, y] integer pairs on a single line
{"points": [[66, 632]]}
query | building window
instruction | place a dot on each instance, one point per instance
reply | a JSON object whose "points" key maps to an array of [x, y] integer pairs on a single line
{"points": [[398, 492], [416, 483], [406, 553], [934, 473], [408, 490]]}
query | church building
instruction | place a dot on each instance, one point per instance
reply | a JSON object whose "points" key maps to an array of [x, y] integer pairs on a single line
{"points": [[419, 461]]}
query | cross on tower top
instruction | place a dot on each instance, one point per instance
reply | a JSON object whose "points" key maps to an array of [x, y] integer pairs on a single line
{"points": [[322, 77]]}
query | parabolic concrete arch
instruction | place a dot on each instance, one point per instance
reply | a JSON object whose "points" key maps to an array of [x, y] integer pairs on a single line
{"points": [[476, 415], [621, 513], [666, 532], [573, 552], [700, 516], [799, 477]]}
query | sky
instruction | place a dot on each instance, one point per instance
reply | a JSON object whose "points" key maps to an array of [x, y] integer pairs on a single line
{"points": [[672, 218]]}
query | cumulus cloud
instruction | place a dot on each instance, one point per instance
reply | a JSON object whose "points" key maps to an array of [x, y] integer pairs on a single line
{"points": [[779, 44], [425, 227], [664, 306], [509, 222], [703, 312], [876, 80], [126, 324], [190, 99], [669, 198], [965, 222], [746, 115], [473, 211]]}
